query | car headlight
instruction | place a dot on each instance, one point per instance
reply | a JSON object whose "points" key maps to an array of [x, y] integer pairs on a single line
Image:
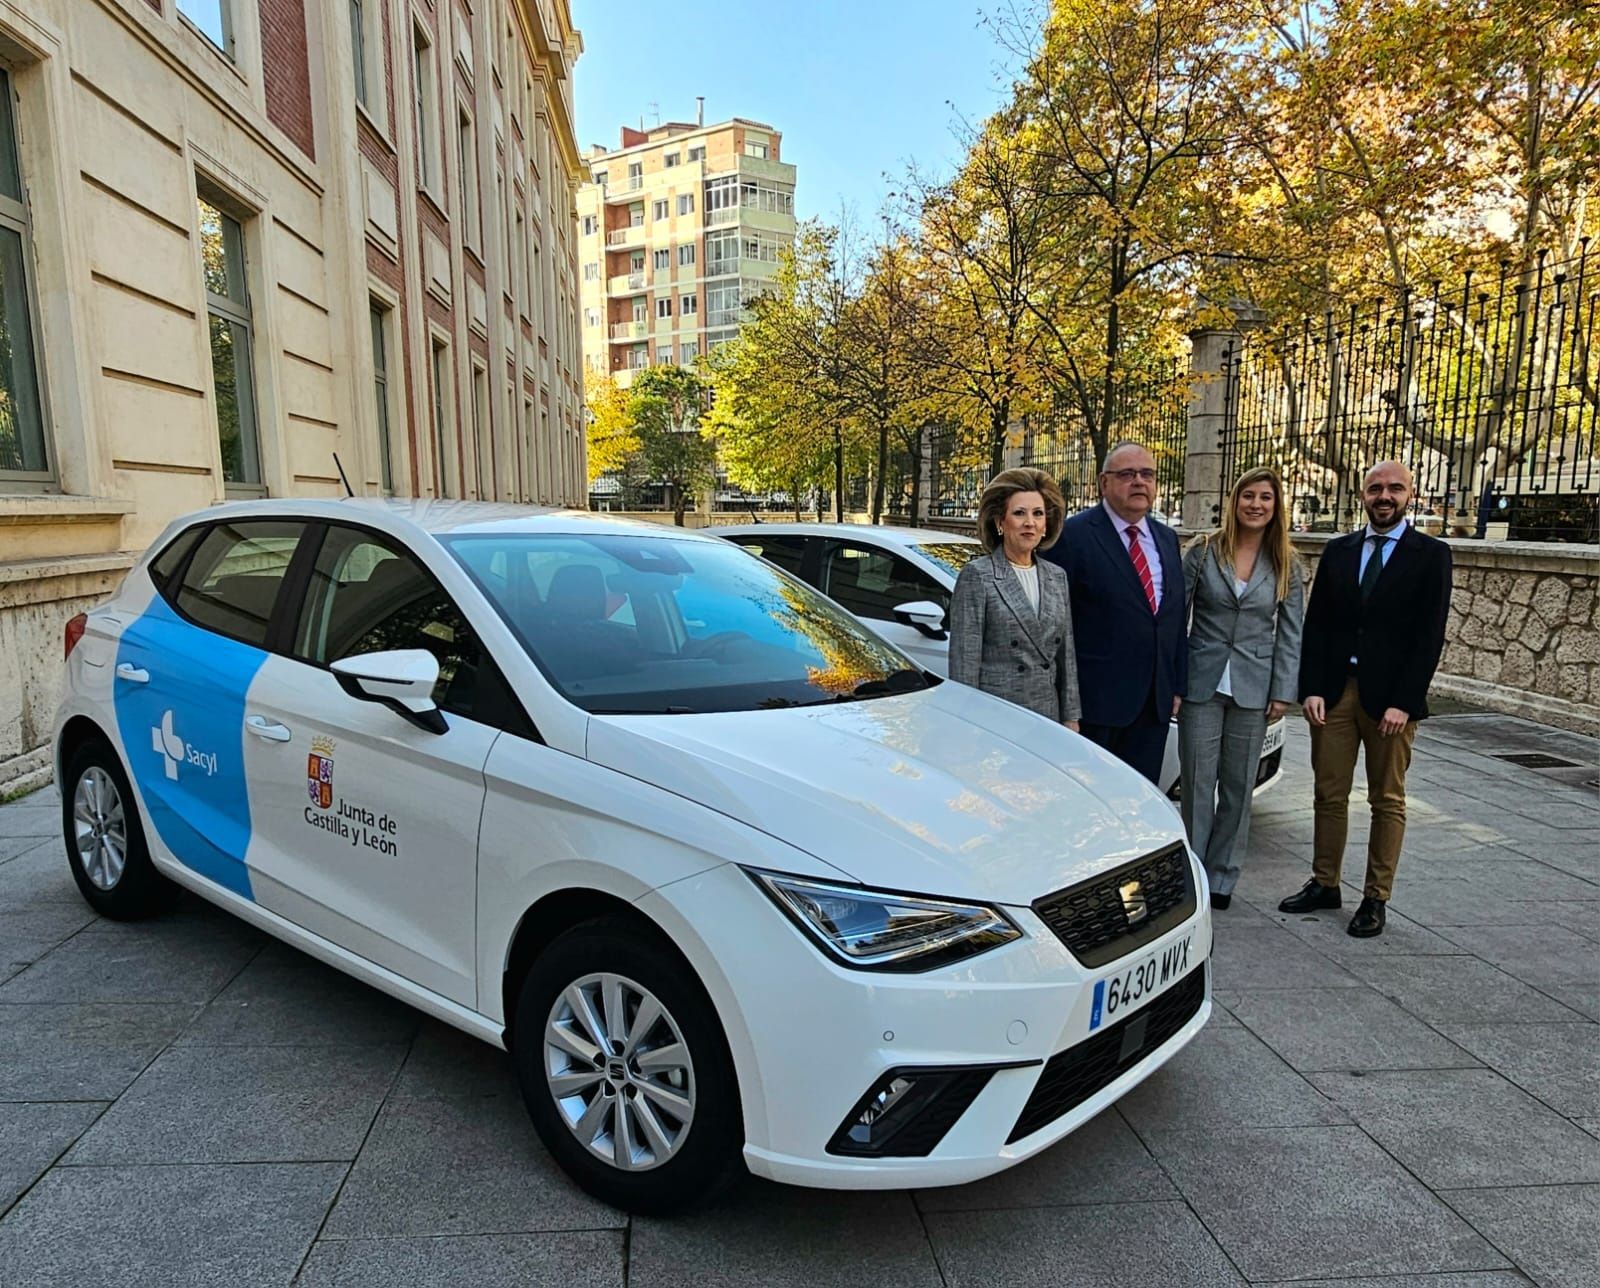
{"points": [[882, 930]]}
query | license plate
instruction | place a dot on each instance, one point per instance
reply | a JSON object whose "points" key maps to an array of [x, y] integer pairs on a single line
{"points": [[1274, 738], [1125, 990]]}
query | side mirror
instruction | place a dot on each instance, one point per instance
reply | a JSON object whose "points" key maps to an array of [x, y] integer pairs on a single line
{"points": [[925, 615], [401, 679]]}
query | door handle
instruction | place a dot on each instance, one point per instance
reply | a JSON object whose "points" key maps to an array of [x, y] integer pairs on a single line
{"points": [[135, 674], [268, 729]]}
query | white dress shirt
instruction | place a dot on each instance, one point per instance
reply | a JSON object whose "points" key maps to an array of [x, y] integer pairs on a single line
{"points": [[1029, 577], [1225, 680], [1147, 541]]}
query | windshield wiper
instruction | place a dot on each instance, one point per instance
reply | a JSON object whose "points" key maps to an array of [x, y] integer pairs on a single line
{"points": [[906, 680]]}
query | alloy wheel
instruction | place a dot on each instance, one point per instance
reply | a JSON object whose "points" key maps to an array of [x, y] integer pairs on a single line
{"points": [[619, 1071], [100, 828]]}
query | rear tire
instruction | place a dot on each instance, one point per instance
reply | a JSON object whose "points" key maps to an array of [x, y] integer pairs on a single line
{"points": [[620, 1056], [105, 838]]}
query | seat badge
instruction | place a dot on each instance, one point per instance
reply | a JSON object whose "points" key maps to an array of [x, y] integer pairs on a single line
{"points": [[1134, 906]]}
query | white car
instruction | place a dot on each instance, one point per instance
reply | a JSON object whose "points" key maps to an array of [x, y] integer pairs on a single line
{"points": [[899, 582], [728, 876]]}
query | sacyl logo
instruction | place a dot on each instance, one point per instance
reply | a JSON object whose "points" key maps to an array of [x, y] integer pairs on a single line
{"points": [[174, 750]]}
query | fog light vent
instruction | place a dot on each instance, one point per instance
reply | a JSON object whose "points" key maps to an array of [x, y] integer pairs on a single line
{"points": [[908, 1110]]}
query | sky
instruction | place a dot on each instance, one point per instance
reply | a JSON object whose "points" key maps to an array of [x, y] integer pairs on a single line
{"points": [[857, 90]]}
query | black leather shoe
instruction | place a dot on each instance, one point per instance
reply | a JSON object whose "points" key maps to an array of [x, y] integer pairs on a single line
{"points": [[1220, 901], [1368, 920], [1310, 897]]}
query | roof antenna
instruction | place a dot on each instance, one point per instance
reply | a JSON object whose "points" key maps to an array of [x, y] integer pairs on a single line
{"points": [[348, 490]]}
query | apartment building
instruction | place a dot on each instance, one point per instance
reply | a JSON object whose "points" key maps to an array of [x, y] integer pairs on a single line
{"points": [[238, 237], [680, 226]]}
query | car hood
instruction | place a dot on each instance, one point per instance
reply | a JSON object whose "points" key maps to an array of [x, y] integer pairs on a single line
{"points": [[947, 791]]}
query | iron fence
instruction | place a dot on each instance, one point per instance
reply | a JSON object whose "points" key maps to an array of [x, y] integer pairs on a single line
{"points": [[1487, 389]]}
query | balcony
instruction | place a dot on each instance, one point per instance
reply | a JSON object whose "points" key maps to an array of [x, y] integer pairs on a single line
{"points": [[626, 283], [625, 189], [630, 236], [625, 331], [716, 218]]}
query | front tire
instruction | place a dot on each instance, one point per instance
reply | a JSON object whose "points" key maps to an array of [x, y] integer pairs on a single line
{"points": [[625, 1070], [105, 838]]}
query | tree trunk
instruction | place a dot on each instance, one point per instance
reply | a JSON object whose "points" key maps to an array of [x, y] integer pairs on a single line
{"points": [[883, 471], [677, 505], [838, 476], [999, 426]]}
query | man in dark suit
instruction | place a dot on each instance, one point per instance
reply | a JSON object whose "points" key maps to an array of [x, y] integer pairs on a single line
{"points": [[1373, 634], [1125, 576]]}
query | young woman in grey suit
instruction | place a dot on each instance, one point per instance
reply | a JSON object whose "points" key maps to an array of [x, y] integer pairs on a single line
{"points": [[1010, 617], [1246, 607]]}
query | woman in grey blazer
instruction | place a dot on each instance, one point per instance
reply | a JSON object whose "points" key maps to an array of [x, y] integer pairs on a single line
{"points": [[1246, 606], [1010, 617]]}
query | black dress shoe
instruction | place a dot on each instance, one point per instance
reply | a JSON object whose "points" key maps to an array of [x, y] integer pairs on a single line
{"points": [[1368, 920], [1310, 897], [1220, 901]]}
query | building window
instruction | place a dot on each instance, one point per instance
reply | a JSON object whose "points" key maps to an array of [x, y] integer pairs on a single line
{"points": [[722, 253], [591, 317], [591, 272], [635, 175], [686, 305], [481, 446], [228, 318], [636, 262], [358, 48], [724, 304], [688, 351], [664, 307], [686, 203], [754, 149], [664, 354], [697, 154], [671, 158], [380, 394], [591, 225], [422, 76], [600, 177], [23, 450], [658, 209], [686, 254], [467, 159], [212, 19], [440, 371], [662, 258]]}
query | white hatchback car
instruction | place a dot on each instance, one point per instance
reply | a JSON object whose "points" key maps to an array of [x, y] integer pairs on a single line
{"points": [[899, 582], [728, 876]]}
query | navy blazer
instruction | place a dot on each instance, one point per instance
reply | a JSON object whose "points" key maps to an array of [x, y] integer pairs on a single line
{"points": [[1124, 651]]}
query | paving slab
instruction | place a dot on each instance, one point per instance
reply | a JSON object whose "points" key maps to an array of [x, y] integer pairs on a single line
{"points": [[1451, 901], [1079, 1247], [245, 1105], [31, 817], [1102, 1162], [12, 846], [459, 1166], [1328, 932], [38, 874], [1225, 1078], [187, 956], [1552, 1231], [780, 1237], [89, 1051], [1469, 1279], [1344, 1028], [1557, 1063], [1461, 1128], [583, 1259], [1557, 962], [32, 1137], [446, 1063], [28, 933], [1461, 989], [1289, 1203], [1260, 955], [284, 997], [165, 1227]]}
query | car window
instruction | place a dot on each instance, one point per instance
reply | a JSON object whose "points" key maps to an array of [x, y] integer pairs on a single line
{"points": [[366, 596], [167, 563], [232, 582], [785, 551], [872, 583], [660, 626], [952, 556]]}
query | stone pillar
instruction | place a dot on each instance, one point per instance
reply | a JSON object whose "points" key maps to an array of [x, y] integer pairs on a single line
{"points": [[924, 468], [1214, 370], [1016, 441]]}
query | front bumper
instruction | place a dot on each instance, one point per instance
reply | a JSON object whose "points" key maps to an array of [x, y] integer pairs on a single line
{"points": [[809, 1037]]}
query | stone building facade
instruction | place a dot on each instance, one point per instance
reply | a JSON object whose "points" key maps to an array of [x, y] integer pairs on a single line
{"points": [[238, 237]]}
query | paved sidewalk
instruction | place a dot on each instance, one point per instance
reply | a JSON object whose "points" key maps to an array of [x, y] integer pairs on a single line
{"points": [[187, 1102]]}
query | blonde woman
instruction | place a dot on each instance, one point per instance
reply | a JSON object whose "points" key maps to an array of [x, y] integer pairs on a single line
{"points": [[1246, 607], [1010, 617]]}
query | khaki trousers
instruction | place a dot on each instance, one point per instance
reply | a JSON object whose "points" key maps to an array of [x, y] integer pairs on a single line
{"points": [[1334, 745]]}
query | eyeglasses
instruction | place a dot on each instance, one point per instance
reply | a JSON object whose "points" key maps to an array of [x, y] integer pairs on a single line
{"points": [[1128, 476]]}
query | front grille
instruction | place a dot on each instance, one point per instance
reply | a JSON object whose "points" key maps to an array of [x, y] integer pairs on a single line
{"points": [[1091, 919], [1268, 766], [1073, 1075]]}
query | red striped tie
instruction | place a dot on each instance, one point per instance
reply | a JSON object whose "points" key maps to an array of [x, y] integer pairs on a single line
{"points": [[1141, 566]]}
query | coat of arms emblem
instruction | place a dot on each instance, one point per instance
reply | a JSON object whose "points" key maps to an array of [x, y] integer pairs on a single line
{"points": [[319, 772]]}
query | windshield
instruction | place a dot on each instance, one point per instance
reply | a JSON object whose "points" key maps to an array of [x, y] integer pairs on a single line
{"points": [[652, 625], [952, 556]]}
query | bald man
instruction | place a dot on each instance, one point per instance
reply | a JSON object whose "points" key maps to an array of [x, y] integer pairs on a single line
{"points": [[1373, 634]]}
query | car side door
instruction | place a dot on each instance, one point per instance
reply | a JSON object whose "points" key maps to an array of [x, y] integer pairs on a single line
{"points": [[184, 670], [370, 821], [871, 582]]}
